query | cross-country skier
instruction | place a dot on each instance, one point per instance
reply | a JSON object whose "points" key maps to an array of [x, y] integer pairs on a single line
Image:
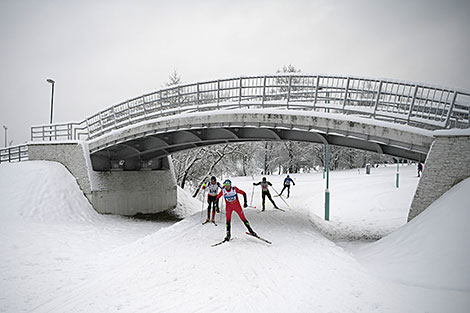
{"points": [[212, 191], [265, 192], [232, 204], [420, 168], [287, 182]]}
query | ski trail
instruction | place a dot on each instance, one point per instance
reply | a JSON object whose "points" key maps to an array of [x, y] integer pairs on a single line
{"points": [[177, 270]]}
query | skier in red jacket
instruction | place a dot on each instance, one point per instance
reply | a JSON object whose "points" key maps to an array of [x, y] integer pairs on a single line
{"points": [[232, 204]]}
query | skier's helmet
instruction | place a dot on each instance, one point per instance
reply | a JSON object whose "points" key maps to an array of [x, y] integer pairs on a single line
{"points": [[288, 176], [264, 178], [213, 179], [227, 182]]}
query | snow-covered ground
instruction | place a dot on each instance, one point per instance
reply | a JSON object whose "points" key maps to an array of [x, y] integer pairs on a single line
{"points": [[58, 255]]}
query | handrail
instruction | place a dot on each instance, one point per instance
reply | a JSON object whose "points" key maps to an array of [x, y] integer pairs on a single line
{"points": [[415, 104], [14, 153]]}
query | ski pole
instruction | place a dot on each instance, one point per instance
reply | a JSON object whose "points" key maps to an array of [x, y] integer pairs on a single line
{"points": [[280, 196], [202, 206], [252, 192]]}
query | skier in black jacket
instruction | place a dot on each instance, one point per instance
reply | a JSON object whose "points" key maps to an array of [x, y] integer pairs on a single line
{"points": [[265, 192], [287, 182]]}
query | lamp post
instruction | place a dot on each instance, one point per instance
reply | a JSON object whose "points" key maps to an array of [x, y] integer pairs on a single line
{"points": [[6, 138], [51, 81]]}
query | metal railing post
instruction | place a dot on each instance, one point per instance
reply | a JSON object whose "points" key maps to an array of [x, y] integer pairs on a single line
{"points": [[451, 108], [264, 91], [128, 111], [377, 99], [346, 94], [240, 93], [316, 91], [412, 104], [218, 93], [161, 103], [114, 116], [144, 109], [88, 128], [179, 99], [197, 96], [288, 90]]}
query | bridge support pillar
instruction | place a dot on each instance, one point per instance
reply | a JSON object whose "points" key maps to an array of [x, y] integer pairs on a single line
{"points": [[112, 192], [447, 164]]}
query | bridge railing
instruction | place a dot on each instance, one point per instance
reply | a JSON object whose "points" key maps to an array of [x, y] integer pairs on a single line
{"points": [[54, 132], [409, 103], [14, 154]]}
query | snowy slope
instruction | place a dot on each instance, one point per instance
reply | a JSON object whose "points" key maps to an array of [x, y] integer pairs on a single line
{"points": [[58, 255], [51, 236], [43, 191], [432, 251]]}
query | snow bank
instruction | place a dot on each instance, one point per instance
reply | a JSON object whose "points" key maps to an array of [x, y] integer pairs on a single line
{"points": [[186, 205], [43, 191], [433, 250]]}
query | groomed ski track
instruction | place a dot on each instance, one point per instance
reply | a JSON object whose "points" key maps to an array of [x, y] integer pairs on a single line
{"points": [[177, 270], [59, 255]]}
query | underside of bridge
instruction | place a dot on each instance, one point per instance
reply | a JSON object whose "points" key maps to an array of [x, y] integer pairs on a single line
{"points": [[149, 151]]}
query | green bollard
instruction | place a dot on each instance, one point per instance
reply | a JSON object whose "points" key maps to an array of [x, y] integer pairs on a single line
{"points": [[327, 189], [398, 174], [327, 205]]}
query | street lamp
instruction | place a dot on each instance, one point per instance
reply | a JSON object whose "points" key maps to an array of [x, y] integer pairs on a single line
{"points": [[51, 81], [6, 140]]}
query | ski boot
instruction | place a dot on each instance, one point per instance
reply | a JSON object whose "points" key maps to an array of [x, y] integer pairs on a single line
{"points": [[250, 230]]}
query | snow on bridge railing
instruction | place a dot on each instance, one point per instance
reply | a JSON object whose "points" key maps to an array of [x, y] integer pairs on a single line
{"points": [[14, 154], [415, 104]]}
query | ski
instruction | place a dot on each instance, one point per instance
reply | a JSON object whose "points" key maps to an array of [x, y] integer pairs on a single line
{"points": [[274, 209], [204, 223], [262, 239], [219, 243]]}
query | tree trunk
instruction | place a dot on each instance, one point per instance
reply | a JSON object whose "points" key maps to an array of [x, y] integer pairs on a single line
{"points": [[199, 185], [188, 168]]}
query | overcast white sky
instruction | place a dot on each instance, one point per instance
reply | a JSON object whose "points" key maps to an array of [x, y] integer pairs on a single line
{"points": [[104, 52]]}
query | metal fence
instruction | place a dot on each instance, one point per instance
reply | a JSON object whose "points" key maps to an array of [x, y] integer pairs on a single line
{"points": [[414, 104], [14, 154]]}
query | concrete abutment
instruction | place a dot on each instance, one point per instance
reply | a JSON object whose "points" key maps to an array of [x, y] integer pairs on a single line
{"points": [[112, 192], [447, 164]]}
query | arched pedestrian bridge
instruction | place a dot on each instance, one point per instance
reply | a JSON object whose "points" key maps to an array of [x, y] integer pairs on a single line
{"points": [[387, 116]]}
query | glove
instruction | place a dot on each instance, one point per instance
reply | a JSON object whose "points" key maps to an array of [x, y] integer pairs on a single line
{"points": [[217, 210], [254, 184], [245, 205]]}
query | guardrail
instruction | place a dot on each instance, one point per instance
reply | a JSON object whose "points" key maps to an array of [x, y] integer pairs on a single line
{"points": [[415, 104], [14, 154]]}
